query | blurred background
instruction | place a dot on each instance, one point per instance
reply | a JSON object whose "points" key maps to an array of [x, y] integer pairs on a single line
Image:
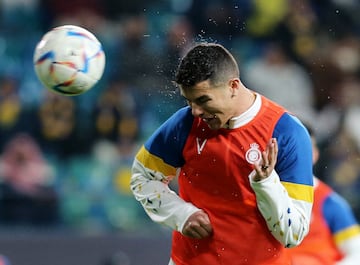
{"points": [[65, 161]]}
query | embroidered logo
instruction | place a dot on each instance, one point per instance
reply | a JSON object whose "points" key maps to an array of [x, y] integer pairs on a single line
{"points": [[253, 155], [200, 143]]}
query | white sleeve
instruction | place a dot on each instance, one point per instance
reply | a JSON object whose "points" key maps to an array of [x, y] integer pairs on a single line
{"points": [[162, 204], [287, 219], [350, 249]]}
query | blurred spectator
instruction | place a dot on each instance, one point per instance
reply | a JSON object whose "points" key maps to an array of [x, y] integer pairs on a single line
{"points": [[137, 62], [57, 121], [298, 31], [115, 114], [10, 108], [281, 79], [333, 227], [334, 74], [14, 116], [345, 53], [27, 196], [327, 81], [341, 159]]}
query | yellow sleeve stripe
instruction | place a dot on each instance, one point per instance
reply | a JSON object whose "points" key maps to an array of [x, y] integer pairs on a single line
{"points": [[346, 234], [154, 163], [299, 191]]}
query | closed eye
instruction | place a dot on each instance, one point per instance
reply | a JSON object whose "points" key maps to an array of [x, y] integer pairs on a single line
{"points": [[198, 101], [202, 100]]}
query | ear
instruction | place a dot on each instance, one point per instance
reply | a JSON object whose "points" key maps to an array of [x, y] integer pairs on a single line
{"points": [[234, 85]]}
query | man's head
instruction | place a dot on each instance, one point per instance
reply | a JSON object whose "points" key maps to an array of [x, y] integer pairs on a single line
{"points": [[207, 61], [208, 77]]}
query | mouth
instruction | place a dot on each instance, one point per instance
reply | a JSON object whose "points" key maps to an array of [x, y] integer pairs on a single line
{"points": [[209, 119]]}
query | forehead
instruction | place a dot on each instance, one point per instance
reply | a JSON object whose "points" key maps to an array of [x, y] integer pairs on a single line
{"points": [[200, 89]]}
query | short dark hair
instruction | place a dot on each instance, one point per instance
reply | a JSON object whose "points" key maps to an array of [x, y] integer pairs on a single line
{"points": [[206, 61]]}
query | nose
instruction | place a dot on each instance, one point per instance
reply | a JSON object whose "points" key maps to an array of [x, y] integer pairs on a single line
{"points": [[196, 110]]}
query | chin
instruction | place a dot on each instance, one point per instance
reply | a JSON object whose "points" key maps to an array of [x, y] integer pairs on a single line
{"points": [[214, 126]]}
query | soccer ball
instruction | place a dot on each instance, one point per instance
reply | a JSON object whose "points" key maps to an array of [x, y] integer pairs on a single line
{"points": [[69, 60]]}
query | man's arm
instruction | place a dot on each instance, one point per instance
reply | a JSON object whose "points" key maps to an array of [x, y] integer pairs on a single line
{"points": [[350, 249], [162, 204], [287, 219], [344, 227]]}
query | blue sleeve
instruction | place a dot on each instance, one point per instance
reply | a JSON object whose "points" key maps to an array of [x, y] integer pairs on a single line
{"points": [[338, 213], [294, 162], [169, 139]]}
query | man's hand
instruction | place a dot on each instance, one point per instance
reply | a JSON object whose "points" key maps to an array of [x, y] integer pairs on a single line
{"points": [[267, 164], [197, 225]]}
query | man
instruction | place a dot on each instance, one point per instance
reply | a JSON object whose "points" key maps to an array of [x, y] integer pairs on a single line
{"points": [[334, 237], [243, 165]]}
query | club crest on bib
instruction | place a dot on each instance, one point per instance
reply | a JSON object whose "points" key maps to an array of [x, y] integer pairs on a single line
{"points": [[253, 155]]}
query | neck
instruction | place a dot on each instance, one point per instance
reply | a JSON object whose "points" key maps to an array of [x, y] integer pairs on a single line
{"points": [[247, 114], [245, 100]]}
